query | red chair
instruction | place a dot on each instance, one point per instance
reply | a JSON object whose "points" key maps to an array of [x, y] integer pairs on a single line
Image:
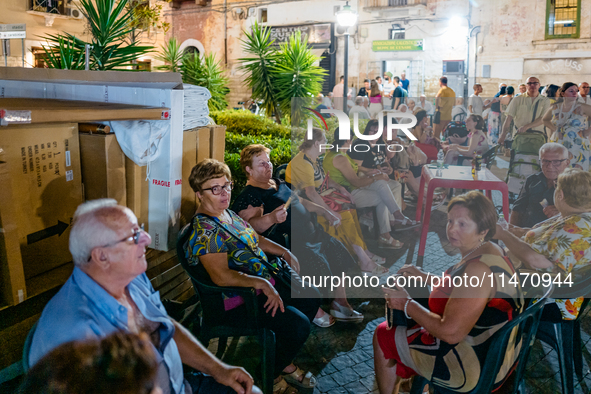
{"points": [[428, 149]]}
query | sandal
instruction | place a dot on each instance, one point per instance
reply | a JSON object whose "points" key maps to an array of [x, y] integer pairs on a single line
{"points": [[308, 380], [345, 314], [405, 222], [389, 243], [377, 271], [282, 387], [324, 321], [378, 260]]}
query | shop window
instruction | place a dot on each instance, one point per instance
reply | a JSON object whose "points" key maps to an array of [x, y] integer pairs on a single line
{"points": [[563, 18], [39, 57]]}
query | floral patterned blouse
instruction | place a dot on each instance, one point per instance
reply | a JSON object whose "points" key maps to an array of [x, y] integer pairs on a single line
{"points": [[238, 239], [566, 241]]}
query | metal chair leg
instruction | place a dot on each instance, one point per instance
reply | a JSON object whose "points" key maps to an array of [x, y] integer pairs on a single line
{"points": [[267, 341]]}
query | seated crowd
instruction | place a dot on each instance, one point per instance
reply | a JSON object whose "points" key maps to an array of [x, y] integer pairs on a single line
{"points": [[107, 320]]}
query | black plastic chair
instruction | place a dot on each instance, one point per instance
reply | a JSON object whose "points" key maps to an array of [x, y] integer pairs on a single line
{"points": [[27, 348], [527, 324], [565, 336], [214, 321]]}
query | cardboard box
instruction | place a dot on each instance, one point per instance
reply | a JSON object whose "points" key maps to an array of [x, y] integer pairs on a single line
{"points": [[13, 287], [103, 167], [218, 142], [137, 190], [195, 149], [45, 177]]}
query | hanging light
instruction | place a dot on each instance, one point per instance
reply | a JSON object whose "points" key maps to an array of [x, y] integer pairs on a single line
{"points": [[347, 17]]}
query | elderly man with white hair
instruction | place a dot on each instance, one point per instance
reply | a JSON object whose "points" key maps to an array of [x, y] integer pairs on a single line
{"points": [[359, 108], [536, 199], [426, 105], [109, 291]]}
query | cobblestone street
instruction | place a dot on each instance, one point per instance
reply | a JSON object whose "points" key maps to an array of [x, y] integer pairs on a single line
{"points": [[341, 356]]}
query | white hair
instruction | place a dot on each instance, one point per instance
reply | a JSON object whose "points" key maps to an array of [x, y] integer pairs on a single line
{"points": [[89, 231], [401, 106], [358, 100], [554, 147]]}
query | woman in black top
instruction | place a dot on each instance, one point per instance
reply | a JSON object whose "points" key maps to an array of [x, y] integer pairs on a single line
{"points": [[263, 204]]}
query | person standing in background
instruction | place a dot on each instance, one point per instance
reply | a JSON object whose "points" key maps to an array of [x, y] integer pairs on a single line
{"points": [[405, 82], [444, 104], [583, 95], [522, 90], [364, 91], [475, 104]]}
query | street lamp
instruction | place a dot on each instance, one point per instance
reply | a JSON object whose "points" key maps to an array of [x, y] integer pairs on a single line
{"points": [[455, 22], [346, 18]]}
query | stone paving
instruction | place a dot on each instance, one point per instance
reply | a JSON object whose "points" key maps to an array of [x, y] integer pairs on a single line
{"points": [[341, 356]]}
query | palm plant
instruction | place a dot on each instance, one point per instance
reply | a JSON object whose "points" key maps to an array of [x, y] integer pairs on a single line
{"points": [[207, 72], [296, 76], [172, 55], [66, 55], [113, 46], [259, 68]]}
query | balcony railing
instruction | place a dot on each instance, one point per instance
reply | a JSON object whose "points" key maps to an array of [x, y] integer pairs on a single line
{"points": [[56, 7], [393, 3]]}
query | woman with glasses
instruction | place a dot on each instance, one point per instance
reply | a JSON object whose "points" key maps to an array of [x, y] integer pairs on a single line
{"points": [[233, 254], [567, 121], [560, 244]]}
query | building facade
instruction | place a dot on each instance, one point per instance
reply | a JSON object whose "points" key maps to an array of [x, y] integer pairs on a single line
{"points": [[488, 42], [52, 17]]}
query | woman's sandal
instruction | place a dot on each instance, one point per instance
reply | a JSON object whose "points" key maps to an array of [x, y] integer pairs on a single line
{"points": [[324, 321], [405, 222], [282, 387], [308, 380], [345, 314], [377, 271], [389, 243]]}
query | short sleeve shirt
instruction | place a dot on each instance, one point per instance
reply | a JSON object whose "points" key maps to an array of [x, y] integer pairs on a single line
{"points": [[477, 104], [405, 83], [373, 158], [303, 172], [522, 110], [534, 191], [565, 241], [398, 93], [446, 102]]}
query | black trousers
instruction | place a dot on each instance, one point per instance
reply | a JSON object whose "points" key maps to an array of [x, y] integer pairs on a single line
{"points": [[291, 327]]}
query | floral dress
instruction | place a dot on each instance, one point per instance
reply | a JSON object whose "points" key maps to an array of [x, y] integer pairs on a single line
{"points": [[569, 133], [566, 241]]}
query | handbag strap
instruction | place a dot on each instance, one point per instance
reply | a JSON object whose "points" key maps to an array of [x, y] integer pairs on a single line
{"points": [[535, 110], [267, 264]]}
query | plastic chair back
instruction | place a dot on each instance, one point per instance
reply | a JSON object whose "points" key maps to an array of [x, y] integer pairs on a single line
{"points": [[526, 325]]}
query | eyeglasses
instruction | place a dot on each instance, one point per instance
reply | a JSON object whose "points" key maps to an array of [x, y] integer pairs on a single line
{"points": [[585, 87], [554, 163], [135, 238], [532, 83], [217, 190]]}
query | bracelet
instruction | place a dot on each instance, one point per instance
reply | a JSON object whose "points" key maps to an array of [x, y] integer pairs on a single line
{"points": [[405, 305]]}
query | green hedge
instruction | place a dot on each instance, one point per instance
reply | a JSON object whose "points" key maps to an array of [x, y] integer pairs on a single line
{"points": [[247, 123]]}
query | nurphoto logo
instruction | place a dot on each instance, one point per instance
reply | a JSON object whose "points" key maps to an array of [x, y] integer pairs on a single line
{"points": [[345, 130]]}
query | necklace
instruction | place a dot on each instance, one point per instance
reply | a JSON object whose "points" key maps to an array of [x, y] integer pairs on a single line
{"points": [[470, 252]]}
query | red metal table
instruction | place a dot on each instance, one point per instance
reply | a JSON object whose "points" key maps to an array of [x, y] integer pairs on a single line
{"points": [[457, 177]]}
